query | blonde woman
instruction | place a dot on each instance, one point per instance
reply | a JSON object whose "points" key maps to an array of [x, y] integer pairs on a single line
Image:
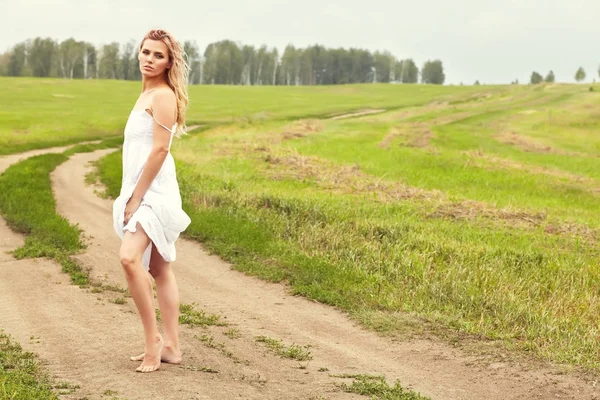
{"points": [[147, 215]]}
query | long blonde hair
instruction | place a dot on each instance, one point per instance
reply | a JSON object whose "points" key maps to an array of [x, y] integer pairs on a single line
{"points": [[177, 77]]}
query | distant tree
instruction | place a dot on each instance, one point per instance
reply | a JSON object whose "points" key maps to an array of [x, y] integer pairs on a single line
{"points": [[477, 83], [192, 58], [249, 61], [224, 62], [263, 59], [17, 60], [4, 59], [108, 67], [89, 57], [275, 65], [433, 72], [407, 71], [290, 65], [69, 57], [346, 66], [550, 77], [134, 71], [362, 61], [129, 61], [580, 74], [536, 78], [42, 55], [384, 63]]}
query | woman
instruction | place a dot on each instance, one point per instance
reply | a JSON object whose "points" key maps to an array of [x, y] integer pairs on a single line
{"points": [[147, 215]]}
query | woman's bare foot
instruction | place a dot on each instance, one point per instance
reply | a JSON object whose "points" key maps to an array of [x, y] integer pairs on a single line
{"points": [[151, 362], [169, 355]]}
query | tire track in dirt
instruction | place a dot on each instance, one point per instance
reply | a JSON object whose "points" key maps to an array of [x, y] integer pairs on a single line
{"points": [[8, 160], [258, 308]]}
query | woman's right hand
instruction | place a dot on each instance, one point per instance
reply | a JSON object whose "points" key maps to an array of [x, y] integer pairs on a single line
{"points": [[130, 208]]}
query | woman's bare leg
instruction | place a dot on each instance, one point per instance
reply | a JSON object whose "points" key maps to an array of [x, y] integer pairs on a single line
{"points": [[140, 287], [168, 301]]}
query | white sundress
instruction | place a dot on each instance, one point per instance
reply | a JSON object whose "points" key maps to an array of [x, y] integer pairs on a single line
{"points": [[160, 213]]}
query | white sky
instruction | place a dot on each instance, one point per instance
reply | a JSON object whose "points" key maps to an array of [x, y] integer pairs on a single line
{"points": [[492, 41]]}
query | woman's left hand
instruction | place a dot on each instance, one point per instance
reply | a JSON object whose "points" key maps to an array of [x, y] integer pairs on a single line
{"points": [[130, 208]]}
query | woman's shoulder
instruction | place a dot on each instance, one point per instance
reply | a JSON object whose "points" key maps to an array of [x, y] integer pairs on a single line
{"points": [[163, 93], [163, 97]]}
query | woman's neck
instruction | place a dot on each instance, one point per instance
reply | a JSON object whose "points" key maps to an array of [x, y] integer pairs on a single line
{"points": [[149, 84]]}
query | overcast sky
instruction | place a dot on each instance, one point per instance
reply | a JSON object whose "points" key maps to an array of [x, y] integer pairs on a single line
{"points": [[492, 41]]}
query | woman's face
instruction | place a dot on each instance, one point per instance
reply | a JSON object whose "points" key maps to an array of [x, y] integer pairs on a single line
{"points": [[154, 58]]}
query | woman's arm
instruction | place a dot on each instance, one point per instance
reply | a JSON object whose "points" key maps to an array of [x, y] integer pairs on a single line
{"points": [[164, 110]]}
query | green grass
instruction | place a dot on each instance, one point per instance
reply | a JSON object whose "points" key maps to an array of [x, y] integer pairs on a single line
{"points": [[233, 333], [293, 352], [65, 388], [193, 317], [20, 375], [110, 174], [209, 341], [500, 249], [43, 113], [377, 388], [199, 368]]}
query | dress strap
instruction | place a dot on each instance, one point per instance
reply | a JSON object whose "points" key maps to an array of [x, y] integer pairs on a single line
{"points": [[172, 130]]}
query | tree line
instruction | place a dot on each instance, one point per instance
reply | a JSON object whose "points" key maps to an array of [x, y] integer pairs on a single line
{"points": [[223, 62], [536, 77]]}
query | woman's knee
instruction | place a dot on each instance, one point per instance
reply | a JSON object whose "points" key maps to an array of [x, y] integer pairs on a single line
{"points": [[132, 247], [128, 259]]}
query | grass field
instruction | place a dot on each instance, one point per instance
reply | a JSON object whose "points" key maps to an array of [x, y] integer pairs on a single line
{"points": [[38, 113], [473, 208]]}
